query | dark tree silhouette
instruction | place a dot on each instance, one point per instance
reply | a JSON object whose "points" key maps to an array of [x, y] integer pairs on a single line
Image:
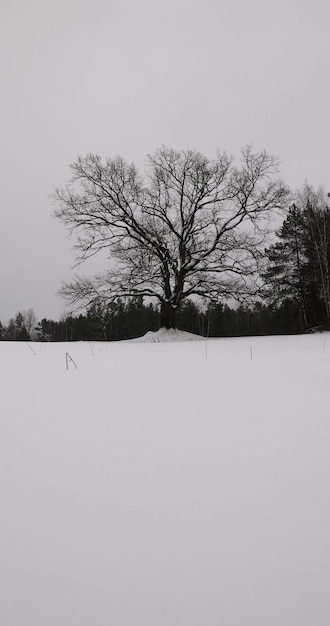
{"points": [[189, 227], [298, 268]]}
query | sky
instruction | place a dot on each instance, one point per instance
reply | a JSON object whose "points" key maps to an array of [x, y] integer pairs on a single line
{"points": [[124, 77]]}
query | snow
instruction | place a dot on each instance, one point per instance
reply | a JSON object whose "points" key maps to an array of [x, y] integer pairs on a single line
{"points": [[181, 483], [163, 335]]}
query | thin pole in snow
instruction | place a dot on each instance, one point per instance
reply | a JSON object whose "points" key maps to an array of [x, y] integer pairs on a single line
{"points": [[35, 354], [69, 358]]}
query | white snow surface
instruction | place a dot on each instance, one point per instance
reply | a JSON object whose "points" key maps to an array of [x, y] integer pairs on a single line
{"points": [[163, 335], [158, 484]]}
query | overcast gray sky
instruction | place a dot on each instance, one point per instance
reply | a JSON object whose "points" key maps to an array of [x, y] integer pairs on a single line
{"points": [[125, 76]]}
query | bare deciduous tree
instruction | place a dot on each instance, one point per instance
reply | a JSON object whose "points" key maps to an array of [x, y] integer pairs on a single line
{"points": [[30, 323], [189, 227], [314, 203]]}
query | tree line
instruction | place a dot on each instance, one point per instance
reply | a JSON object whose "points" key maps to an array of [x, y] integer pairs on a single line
{"points": [[133, 318]]}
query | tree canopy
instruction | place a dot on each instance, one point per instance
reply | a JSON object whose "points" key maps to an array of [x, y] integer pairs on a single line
{"points": [[189, 226]]}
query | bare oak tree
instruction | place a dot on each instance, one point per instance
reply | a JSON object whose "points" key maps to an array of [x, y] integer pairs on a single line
{"points": [[188, 227]]}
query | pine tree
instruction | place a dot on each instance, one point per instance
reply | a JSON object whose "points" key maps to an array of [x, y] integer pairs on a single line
{"points": [[298, 267], [287, 275]]}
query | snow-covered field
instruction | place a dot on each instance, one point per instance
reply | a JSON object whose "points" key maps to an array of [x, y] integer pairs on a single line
{"points": [[165, 484]]}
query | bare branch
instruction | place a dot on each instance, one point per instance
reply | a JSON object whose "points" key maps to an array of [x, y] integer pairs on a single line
{"points": [[189, 226]]}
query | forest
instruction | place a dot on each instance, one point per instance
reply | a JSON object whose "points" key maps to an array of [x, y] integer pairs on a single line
{"points": [[127, 320]]}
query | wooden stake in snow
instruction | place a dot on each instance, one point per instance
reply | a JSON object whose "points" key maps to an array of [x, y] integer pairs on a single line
{"points": [[69, 358]]}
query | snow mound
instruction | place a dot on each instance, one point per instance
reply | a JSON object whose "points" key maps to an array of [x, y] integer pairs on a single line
{"points": [[163, 335]]}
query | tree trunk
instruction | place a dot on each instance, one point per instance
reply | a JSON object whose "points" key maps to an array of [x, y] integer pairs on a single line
{"points": [[167, 316]]}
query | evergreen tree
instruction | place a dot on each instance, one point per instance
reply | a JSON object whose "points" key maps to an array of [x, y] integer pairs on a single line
{"points": [[298, 268], [287, 274]]}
